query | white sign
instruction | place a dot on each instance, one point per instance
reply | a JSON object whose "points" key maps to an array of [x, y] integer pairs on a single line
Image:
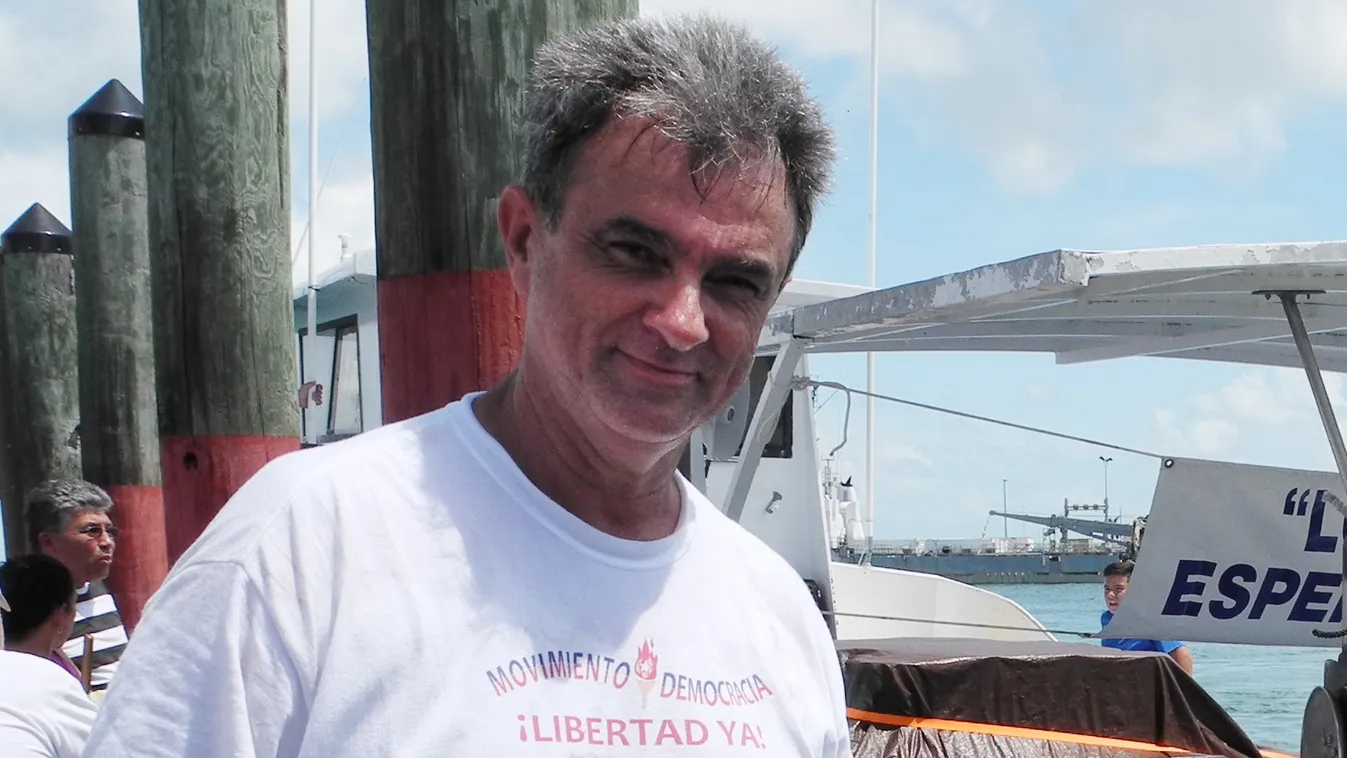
{"points": [[1236, 553]]}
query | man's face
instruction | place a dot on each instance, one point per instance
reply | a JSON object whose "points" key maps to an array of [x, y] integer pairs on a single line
{"points": [[646, 300], [85, 546], [1114, 589]]}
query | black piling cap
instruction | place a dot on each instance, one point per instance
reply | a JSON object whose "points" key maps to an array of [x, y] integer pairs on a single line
{"points": [[36, 231], [112, 111]]}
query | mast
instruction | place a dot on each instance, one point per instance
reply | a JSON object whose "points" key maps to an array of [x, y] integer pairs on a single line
{"points": [[310, 362], [874, 219]]}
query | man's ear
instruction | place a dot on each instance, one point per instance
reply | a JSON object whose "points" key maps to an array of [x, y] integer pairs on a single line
{"points": [[519, 224], [45, 542]]}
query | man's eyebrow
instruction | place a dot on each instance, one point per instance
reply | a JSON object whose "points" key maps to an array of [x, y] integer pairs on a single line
{"points": [[659, 240], [748, 267], [630, 227]]}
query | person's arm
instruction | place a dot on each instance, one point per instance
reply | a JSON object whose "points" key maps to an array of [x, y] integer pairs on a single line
{"points": [[207, 675], [1184, 658]]}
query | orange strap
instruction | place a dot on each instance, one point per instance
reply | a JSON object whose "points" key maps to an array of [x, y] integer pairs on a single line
{"points": [[1010, 731]]}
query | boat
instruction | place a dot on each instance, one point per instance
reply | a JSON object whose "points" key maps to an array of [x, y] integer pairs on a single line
{"points": [[1056, 559], [760, 459]]}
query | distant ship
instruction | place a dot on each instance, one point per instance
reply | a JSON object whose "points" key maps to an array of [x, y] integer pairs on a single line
{"points": [[1055, 559]]}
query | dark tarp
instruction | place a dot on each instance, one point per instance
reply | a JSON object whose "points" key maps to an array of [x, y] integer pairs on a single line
{"points": [[869, 741], [1078, 688]]}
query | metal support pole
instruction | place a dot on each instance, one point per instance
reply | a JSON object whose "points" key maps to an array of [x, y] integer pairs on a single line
{"points": [[1322, 713], [308, 424], [869, 492], [774, 395], [1321, 401], [1320, 392]]}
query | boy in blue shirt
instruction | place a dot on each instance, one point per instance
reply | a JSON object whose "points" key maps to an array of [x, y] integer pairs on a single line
{"points": [[1116, 578]]}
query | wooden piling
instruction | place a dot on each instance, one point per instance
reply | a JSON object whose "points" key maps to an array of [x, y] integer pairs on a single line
{"points": [[119, 429], [219, 219], [39, 375], [447, 81]]}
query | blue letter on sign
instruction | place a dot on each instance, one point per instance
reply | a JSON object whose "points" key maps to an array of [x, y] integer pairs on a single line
{"points": [[1315, 540], [1268, 594], [1312, 592], [1175, 605], [1237, 593]]}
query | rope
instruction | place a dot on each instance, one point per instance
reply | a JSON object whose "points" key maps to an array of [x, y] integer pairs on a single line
{"points": [[1085, 635], [1011, 424]]}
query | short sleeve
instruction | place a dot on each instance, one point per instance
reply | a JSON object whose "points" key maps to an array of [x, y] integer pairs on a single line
{"points": [[206, 675]]}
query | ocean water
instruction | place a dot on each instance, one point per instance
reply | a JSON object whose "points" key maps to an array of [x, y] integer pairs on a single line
{"points": [[1263, 688]]}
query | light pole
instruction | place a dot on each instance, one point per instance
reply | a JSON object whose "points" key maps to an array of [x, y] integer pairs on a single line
{"points": [[1005, 522], [1106, 461]]}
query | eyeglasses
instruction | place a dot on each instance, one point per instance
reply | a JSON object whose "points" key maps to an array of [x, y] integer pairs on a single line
{"points": [[94, 531]]}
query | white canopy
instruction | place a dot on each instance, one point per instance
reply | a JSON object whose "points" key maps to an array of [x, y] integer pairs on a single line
{"points": [[1202, 303]]}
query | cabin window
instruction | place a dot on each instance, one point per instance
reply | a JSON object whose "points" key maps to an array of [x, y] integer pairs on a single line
{"points": [[338, 366], [780, 443], [782, 440], [344, 416]]}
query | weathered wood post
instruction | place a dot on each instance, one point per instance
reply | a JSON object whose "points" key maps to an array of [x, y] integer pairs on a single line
{"points": [[219, 211], [39, 377], [447, 84], [119, 429]]}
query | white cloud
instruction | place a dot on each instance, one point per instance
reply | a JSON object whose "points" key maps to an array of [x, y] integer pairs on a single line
{"points": [[1204, 437], [346, 207], [1035, 91], [39, 176], [50, 65], [1040, 94], [1238, 418], [1215, 80], [906, 456], [343, 59]]}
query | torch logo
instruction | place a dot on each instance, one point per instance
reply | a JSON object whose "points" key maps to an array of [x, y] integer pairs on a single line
{"points": [[647, 668]]}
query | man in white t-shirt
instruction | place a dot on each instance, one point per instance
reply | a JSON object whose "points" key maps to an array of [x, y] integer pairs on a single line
{"points": [[44, 712], [524, 572]]}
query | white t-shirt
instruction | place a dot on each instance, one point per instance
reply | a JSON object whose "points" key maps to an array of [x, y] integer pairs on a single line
{"points": [[408, 592], [44, 712]]}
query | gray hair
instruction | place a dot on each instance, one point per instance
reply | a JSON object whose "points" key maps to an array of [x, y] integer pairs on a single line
{"points": [[703, 82], [52, 505]]}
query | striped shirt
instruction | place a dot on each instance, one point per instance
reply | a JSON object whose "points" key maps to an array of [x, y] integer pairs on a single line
{"points": [[96, 614]]}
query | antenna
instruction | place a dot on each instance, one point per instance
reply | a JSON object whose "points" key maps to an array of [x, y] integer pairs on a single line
{"points": [[311, 355], [874, 219]]}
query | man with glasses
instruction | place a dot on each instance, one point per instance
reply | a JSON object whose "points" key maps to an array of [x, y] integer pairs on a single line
{"points": [[1116, 578], [68, 519]]}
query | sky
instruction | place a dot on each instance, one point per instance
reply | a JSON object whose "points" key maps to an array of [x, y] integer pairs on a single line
{"points": [[1007, 127]]}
